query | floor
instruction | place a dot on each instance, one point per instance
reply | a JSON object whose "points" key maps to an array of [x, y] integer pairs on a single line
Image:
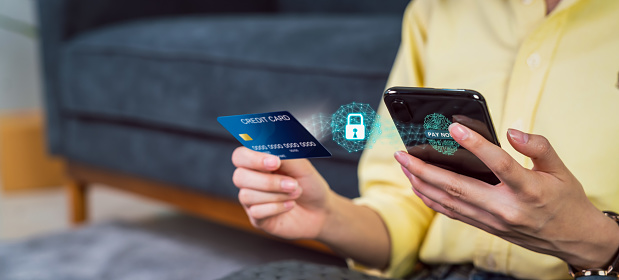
{"points": [[158, 242], [166, 247], [31, 213]]}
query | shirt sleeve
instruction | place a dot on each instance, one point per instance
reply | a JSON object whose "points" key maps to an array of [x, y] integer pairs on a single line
{"points": [[383, 186]]}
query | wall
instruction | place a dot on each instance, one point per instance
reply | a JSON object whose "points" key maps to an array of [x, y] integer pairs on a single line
{"points": [[20, 84]]}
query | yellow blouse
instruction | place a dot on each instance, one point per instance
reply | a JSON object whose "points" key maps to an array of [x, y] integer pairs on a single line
{"points": [[554, 75]]}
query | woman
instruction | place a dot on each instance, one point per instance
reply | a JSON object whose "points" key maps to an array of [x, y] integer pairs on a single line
{"points": [[545, 67]]}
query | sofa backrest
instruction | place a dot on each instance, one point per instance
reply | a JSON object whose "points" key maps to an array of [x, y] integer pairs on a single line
{"points": [[343, 6]]}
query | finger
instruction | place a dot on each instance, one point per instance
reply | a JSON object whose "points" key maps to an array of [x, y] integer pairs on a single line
{"points": [[483, 219], [263, 211], [506, 168], [476, 125], [266, 182], [246, 158], [249, 197], [456, 216], [538, 148], [456, 193], [456, 185], [448, 203]]}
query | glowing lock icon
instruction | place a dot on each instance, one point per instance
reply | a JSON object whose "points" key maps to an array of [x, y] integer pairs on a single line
{"points": [[355, 129]]}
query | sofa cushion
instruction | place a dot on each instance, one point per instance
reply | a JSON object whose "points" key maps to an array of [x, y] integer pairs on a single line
{"points": [[182, 73], [191, 161]]}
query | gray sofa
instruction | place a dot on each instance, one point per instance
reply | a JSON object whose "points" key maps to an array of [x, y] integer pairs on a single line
{"points": [[135, 86]]}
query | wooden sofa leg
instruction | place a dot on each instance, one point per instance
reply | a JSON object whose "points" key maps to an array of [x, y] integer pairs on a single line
{"points": [[78, 201]]}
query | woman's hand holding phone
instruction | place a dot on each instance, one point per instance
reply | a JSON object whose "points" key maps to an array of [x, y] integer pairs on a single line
{"points": [[544, 209]]}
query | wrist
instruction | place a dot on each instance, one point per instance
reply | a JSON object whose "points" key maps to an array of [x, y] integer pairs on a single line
{"points": [[331, 217], [348, 227], [602, 258]]}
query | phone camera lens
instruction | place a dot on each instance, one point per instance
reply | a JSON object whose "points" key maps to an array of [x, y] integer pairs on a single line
{"points": [[401, 111]]}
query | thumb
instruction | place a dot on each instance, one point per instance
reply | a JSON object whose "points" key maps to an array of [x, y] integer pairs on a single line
{"points": [[538, 148]]}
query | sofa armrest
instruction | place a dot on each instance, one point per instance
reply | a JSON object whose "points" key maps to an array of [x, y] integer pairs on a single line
{"points": [[51, 20]]}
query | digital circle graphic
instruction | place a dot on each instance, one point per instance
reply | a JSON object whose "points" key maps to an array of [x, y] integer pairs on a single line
{"points": [[437, 131], [344, 132]]}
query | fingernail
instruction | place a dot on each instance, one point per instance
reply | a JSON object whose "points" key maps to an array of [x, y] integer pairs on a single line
{"points": [[289, 185], [270, 162], [458, 131], [518, 136], [401, 157], [406, 172]]}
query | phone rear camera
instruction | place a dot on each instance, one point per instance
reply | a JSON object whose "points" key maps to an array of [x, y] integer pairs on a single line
{"points": [[401, 111]]}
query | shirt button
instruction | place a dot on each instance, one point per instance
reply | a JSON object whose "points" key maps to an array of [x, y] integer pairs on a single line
{"points": [[527, 2], [534, 60], [490, 262]]}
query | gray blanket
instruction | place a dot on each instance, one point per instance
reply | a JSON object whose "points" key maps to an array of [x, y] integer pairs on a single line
{"points": [[166, 248]]}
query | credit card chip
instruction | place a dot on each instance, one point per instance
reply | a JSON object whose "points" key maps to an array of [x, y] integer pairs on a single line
{"points": [[245, 137]]}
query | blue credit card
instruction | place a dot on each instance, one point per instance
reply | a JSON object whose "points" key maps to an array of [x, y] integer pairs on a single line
{"points": [[276, 133]]}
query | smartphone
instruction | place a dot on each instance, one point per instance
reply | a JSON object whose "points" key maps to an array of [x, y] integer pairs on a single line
{"points": [[422, 117]]}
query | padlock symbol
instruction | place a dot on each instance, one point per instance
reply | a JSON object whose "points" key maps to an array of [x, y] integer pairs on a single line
{"points": [[355, 129]]}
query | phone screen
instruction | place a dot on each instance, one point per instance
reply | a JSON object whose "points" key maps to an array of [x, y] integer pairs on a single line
{"points": [[422, 117]]}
